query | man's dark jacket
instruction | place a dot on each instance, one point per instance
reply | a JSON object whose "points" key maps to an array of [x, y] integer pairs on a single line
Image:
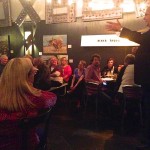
{"points": [[142, 58]]}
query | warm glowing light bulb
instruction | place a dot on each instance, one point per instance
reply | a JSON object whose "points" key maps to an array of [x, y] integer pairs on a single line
{"points": [[90, 4], [49, 1], [128, 6], [26, 34], [142, 5], [80, 4], [59, 1], [70, 2], [100, 5]]}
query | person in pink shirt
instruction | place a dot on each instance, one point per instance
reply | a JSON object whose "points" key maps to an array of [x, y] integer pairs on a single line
{"points": [[66, 69], [93, 74]]}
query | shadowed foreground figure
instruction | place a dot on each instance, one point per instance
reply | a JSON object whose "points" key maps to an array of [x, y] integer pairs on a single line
{"points": [[142, 69]]}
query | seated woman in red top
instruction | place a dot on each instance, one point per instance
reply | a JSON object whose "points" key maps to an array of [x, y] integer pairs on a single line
{"points": [[19, 99], [66, 69]]}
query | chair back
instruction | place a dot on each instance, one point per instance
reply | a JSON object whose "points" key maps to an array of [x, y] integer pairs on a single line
{"points": [[132, 92], [21, 131], [91, 88], [41, 120], [132, 97]]}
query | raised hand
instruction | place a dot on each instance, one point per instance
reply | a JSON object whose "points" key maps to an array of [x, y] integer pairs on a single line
{"points": [[113, 26]]}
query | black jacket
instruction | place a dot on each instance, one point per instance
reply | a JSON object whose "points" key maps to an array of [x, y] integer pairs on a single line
{"points": [[142, 58]]}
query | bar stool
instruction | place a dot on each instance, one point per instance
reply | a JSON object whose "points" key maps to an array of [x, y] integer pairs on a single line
{"points": [[131, 94], [91, 89]]}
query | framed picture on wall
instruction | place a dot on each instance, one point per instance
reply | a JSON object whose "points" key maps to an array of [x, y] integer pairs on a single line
{"points": [[92, 10], [4, 45], [59, 12], [54, 44]]}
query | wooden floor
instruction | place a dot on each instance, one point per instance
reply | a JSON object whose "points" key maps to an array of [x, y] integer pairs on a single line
{"points": [[71, 129]]}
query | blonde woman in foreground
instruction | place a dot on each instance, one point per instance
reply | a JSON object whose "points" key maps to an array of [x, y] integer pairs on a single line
{"points": [[19, 99]]}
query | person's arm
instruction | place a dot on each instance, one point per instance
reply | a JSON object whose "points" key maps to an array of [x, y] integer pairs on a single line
{"points": [[45, 100], [132, 35], [72, 82], [124, 32], [55, 74], [80, 79], [114, 26]]}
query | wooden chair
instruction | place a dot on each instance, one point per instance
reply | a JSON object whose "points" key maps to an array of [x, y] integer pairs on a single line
{"points": [[24, 126], [132, 94]]}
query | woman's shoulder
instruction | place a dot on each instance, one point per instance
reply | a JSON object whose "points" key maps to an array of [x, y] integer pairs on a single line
{"points": [[48, 94], [90, 66], [130, 67], [45, 99], [68, 66], [76, 69]]}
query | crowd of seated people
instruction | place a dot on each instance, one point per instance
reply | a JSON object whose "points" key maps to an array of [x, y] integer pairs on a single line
{"points": [[22, 100], [54, 74], [42, 76]]}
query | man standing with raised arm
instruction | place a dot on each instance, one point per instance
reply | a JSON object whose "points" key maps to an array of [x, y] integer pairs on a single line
{"points": [[142, 67]]}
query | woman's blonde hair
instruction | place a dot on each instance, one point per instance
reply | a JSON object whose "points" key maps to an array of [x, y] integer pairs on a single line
{"points": [[15, 85]]}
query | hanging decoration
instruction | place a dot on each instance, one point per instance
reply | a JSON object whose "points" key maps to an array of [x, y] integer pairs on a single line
{"points": [[5, 16], [141, 6], [28, 10], [96, 11], [59, 12]]}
